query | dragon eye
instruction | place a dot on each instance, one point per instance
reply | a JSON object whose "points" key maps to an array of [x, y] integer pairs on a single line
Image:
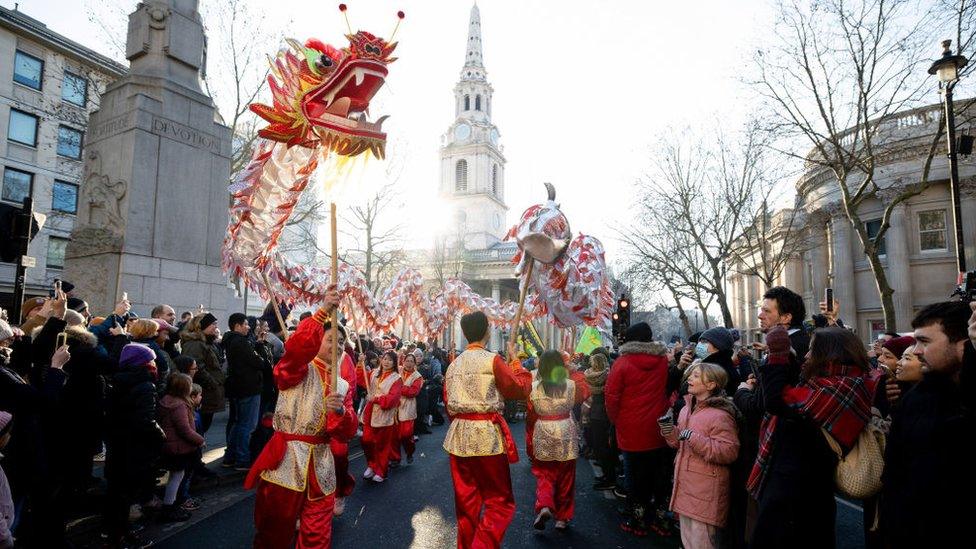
{"points": [[323, 62], [375, 50]]}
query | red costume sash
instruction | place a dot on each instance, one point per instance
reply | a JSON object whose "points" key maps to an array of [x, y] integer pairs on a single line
{"points": [[274, 452], [498, 420], [554, 417]]}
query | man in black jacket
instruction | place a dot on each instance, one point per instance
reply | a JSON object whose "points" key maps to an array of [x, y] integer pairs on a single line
{"points": [[245, 380], [929, 478]]}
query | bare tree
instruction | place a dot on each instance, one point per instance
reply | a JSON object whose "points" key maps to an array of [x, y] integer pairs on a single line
{"points": [[378, 240], [835, 75], [770, 242]]}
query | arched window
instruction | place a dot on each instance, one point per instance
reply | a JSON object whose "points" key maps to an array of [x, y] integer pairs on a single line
{"points": [[494, 179], [461, 175], [467, 103], [477, 103]]}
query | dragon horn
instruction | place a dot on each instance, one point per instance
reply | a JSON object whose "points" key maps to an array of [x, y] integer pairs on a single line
{"points": [[296, 45], [551, 190]]}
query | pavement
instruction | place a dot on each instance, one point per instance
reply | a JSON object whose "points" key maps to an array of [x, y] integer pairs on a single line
{"points": [[414, 508]]}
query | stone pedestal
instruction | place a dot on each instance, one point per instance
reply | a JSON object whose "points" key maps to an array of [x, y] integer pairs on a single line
{"points": [[153, 208]]}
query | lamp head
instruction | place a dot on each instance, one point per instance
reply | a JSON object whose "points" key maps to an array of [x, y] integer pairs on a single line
{"points": [[947, 67]]}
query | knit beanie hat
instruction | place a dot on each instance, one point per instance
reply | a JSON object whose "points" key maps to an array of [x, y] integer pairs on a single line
{"points": [[718, 336], [639, 332], [897, 345], [6, 332], [136, 354], [207, 320]]}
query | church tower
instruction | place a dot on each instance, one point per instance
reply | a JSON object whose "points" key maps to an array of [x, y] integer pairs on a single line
{"points": [[472, 165]]}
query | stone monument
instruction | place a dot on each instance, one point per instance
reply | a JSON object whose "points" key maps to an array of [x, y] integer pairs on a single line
{"points": [[153, 207]]}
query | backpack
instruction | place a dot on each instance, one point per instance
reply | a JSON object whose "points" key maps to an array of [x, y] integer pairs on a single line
{"points": [[858, 473]]}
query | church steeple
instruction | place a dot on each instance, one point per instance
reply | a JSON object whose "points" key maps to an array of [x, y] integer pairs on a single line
{"points": [[474, 67], [472, 164]]}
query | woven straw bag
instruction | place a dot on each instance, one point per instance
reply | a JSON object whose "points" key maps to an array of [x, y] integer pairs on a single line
{"points": [[858, 474]]}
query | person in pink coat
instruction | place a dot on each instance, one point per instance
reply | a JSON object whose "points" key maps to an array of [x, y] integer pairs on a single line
{"points": [[707, 440]]}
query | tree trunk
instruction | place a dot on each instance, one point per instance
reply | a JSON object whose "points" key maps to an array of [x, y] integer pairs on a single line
{"points": [[884, 291]]}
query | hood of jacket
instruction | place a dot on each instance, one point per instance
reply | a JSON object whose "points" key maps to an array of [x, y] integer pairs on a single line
{"points": [[173, 403], [231, 338], [720, 402], [192, 336], [130, 377], [82, 336], [655, 348]]}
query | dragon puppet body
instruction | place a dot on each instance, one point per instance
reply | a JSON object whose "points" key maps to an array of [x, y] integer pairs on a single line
{"points": [[317, 122]]}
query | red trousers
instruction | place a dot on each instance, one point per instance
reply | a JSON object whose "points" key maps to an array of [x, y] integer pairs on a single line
{"points": [[276, 509], [405, 440], [378, 443], [482, 482], [555, 487], [344, 481]]}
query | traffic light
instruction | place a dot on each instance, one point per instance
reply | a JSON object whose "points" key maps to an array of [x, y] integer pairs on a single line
{"points": [[13, 231], [615, 324], [623, 312]]}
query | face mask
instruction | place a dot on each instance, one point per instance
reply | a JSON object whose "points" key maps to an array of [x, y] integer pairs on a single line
{"points": [[701, 351]]}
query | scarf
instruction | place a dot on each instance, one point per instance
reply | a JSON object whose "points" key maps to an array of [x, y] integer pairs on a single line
{"points": [[596, 379], [838, 402]]}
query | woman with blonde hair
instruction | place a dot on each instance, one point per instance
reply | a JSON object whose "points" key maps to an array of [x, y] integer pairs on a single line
{"points": [[144, 331], [707, 440]]}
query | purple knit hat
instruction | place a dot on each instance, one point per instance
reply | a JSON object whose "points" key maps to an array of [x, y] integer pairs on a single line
{"points": [[5, 418], [136, 354]]}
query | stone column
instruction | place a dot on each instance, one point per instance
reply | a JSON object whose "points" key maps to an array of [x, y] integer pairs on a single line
{"points": [[899, 268], [842, 269], [818, 261], [967, 192], [153, 210], [496, 336]]}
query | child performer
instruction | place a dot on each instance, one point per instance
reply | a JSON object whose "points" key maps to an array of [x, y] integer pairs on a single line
{"points": [[407, 412], [380, 431], [295, 473], [708, 442], [552, 438]]}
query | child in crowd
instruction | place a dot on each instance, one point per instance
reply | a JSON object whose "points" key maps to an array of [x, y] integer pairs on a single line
{"points": [[552, 438], [175, 415], [188, 503], [6, 500], [707, 440]]}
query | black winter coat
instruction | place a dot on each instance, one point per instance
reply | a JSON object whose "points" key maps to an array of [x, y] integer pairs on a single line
{"points": [[245, 367], [929, 477]]}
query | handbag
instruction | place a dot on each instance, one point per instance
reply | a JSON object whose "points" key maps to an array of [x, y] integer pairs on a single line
{"points": [[858, 474]]}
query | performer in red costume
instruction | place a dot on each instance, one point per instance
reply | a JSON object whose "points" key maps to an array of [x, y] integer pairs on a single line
{"points": [[407, 412], [339, 444], [380, 431], [295, 473], [480, 444], [551, 438]]}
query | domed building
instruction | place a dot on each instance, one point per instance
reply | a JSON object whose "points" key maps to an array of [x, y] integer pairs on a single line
{"points": [[917, 252]]}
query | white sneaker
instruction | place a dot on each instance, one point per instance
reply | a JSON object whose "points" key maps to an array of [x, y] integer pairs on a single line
{"points": [[340, 507], [377, 478], [368, 473], [561, 524], [540, 520]]}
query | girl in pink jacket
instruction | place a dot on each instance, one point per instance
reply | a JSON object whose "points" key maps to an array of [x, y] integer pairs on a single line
{"points": [[707, 441]]}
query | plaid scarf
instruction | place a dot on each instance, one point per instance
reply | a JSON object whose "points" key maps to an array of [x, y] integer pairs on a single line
{"points": [[839, 402]]}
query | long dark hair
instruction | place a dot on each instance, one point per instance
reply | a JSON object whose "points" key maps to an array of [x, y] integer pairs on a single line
{"points": [[393, 356], [553, 373], [834, 348]]}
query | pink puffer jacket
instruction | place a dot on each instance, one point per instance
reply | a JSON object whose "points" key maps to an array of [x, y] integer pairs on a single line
{"points": [[174, 416], [701, 470]]}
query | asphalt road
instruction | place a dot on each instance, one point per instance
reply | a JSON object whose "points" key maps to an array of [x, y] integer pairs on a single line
{"points": [[414, 508]]}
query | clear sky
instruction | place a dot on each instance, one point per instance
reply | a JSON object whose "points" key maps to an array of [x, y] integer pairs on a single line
{"points": [[582, 88]]}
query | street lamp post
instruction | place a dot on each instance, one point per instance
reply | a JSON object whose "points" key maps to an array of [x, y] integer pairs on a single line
{"points": [[947, 70]]}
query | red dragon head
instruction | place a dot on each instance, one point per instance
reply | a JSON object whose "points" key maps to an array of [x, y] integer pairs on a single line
{"points": [[321, 95]]}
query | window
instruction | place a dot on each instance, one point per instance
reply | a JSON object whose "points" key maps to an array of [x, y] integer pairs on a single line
{"points": [[16, 185], [467, 103], [494, 179], [461, 175], [28, 70], [22, 128], [477, 103], [69, 142], [74, 89], [872, 228], [56, 247], [877, 328], [932, 230], [65, 197]]}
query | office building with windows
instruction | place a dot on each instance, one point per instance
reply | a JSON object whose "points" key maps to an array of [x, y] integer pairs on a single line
{"points": [[918, 250], [48, 87]]}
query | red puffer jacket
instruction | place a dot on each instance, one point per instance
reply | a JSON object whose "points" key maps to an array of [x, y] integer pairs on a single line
{"points": [[635, 395]]}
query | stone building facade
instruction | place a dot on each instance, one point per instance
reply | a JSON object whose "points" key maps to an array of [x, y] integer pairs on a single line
{"points": [[919, 246], [49, 85]]}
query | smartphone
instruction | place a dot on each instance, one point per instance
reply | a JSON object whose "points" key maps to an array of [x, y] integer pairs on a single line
{"points": [[666, 419], [125, 296], [829, 299], [62, 340]]}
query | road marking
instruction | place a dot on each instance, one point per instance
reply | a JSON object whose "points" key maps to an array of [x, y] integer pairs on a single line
{"points": [[846, 503]]}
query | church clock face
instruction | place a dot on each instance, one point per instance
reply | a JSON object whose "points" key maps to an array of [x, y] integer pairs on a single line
{"points": [[462, 132]]}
